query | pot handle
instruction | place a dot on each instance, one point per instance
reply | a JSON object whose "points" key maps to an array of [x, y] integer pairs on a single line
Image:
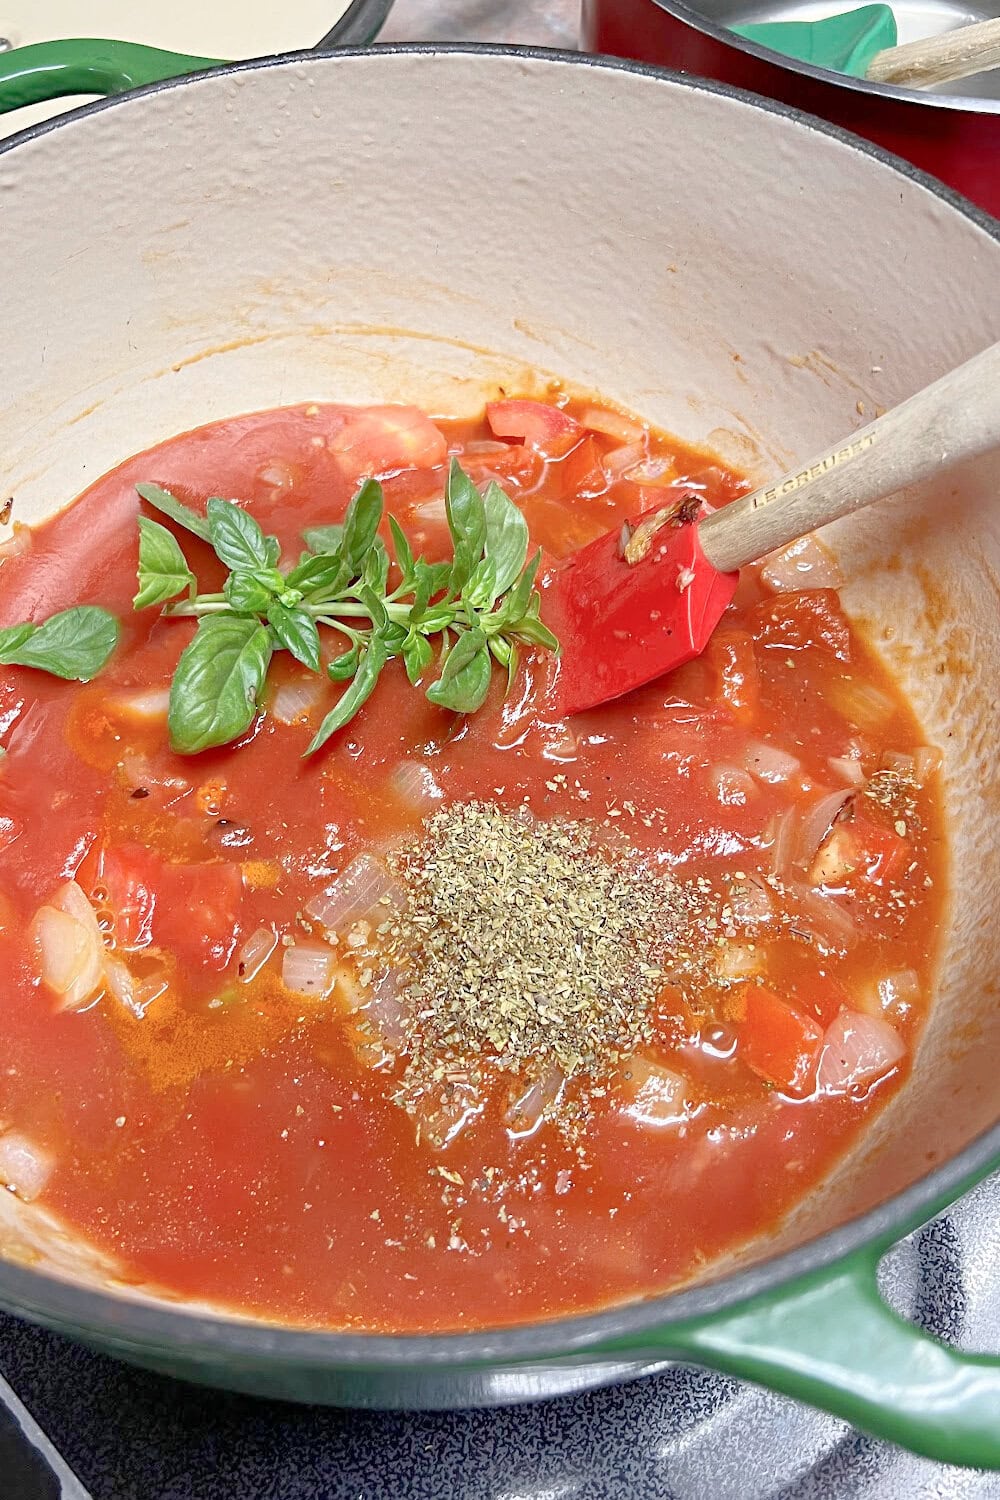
{"points": [[52, 70], [829, 1339]]}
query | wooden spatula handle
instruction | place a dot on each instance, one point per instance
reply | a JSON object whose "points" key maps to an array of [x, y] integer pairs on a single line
{"points": [[939, 59], [957, 417]]}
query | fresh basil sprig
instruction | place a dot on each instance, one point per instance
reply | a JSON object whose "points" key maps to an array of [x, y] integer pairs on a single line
{"points": [[474, 608], [74, 644]]}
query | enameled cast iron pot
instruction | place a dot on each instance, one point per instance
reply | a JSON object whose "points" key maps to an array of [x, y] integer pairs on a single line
{"points": [[427, 224], [955, 136]]}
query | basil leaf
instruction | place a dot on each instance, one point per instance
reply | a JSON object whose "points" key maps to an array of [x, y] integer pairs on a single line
{"points": [[506, 536], [480, 592], [532, 630], [507, 655], [359, 691], [163, 569], [324, 574], [438, 617], [296, 631], [362, 522], [465, 681], [467, 523], [430, 579], [376, 569], [246, 594], [393, 636], [325, 539], [237, 539], [11, 637], [216, 689], [375, 607], [74, 644], [402, 549], [168, 505], [346, 665], [417, 656], [516, 603]]}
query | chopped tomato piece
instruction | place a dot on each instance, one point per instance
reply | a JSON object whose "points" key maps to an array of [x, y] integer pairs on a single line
{"points": [[807, 618], [190, 910], [731, 655], [533, 423], [381, 439], [881, 850], [581, 471], [778, 1042]]}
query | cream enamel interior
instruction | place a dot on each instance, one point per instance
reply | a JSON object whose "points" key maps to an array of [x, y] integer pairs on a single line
{"points": [[428, 228]]}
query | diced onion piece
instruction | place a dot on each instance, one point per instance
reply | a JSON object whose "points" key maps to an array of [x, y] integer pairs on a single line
{"points": [[892, 997], [144, 707], [276, 475], [740, 961], [653, 1095], [897, 760], [528, 1106], [860, 702], [849, 770], [442, 1115], [750, 902], [817, 820], [620, 460], [364, 889], [781, 836], [768, 763], [654, 473], [827, 921], [415, 786], [857, 1050], [307, 969], [806, 564], [295, 701], [836, 861], [70, 947], [255, 953], [120, 983], [613, 424], [431, 512], [24, 1167], [927, 761], [18, 543], [733, 786]]}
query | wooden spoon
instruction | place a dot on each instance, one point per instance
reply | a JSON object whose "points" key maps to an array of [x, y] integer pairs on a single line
{"points": [[637, 603], [939, 59]]}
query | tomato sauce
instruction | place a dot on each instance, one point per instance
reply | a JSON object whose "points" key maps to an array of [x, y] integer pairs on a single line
{"points": [[232, 1143]]}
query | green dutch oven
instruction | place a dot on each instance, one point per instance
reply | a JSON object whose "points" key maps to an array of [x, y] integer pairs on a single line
{"points": [[285, 230]]}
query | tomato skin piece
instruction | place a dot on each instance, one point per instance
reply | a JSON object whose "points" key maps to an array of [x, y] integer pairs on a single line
{"points": [[803, 619], [777, 1042], [384, 439], [535, 424]]}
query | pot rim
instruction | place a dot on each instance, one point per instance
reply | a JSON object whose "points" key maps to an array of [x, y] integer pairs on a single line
{"points": [[79, 1308], [891, 92]]}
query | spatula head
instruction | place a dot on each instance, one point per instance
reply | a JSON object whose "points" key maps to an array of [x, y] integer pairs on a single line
{"points": [[623, 622]]}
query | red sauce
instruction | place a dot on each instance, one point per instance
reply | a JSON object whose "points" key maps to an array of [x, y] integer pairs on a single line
{"points": [[239, 1151]]}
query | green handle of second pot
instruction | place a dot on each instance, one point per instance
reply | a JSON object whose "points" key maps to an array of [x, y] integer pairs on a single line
{"points": [[53, 70]]}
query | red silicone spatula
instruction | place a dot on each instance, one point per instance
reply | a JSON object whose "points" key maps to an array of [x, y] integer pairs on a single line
{"points": [[641, 601]]}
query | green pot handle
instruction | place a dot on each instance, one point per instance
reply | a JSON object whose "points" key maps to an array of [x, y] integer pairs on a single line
{"points": [[829, 1339], [52, 70]]}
